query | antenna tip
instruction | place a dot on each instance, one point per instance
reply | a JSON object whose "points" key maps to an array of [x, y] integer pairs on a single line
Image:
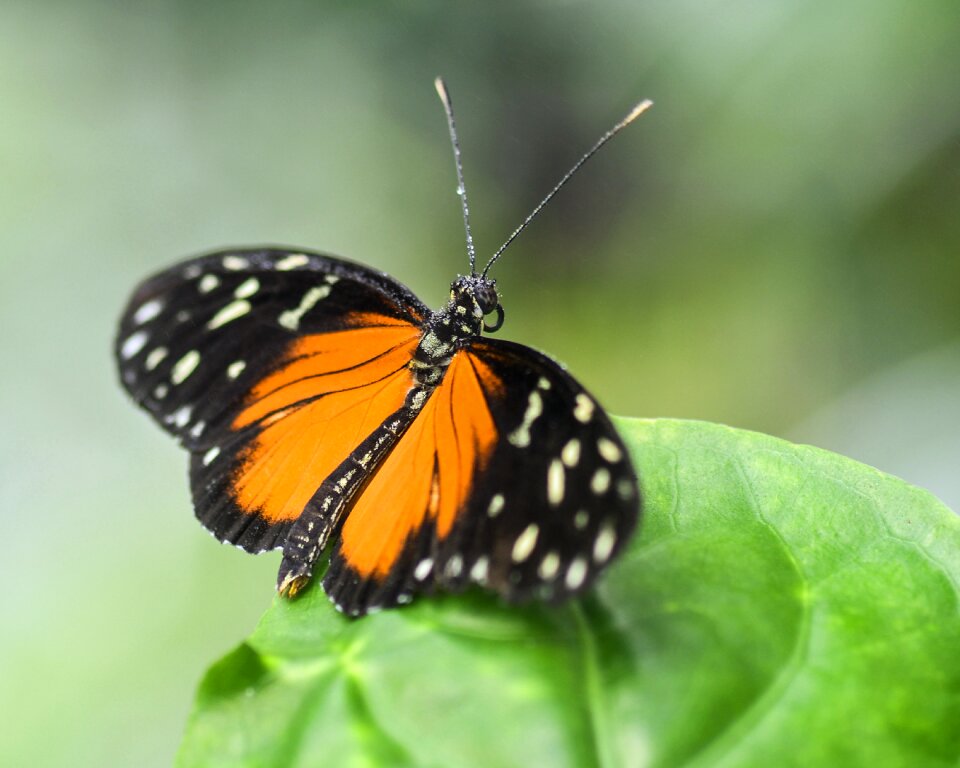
{"points": [[441, 89], [638, 110]]}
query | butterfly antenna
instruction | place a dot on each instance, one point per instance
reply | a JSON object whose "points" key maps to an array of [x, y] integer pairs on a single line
{"points": [[461, 188], [634, 113]]}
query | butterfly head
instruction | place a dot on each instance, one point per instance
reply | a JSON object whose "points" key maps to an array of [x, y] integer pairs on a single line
{"points": [[473, 297]]}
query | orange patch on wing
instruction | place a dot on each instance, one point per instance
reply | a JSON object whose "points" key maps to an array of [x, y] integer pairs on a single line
{"points": [[329, 393], [429, 474]]}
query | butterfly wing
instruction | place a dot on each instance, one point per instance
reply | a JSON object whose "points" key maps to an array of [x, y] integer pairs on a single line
{"points": [[511, 477], [269, 365]]}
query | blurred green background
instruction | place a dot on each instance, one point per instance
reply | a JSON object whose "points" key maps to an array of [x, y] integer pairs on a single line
{"points": [[775, 246]]}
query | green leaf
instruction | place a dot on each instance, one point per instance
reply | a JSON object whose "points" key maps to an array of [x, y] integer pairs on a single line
{"points": [[781, 606]]}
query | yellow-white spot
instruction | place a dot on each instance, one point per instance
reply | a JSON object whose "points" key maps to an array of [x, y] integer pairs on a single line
{"points": [[576, 573], [600, 481], [496, 505], [185, 366], [525, 543], [549, 566], [210, 455], [155, 357], [581, 519], [235, 263], [133, 344], [609, 450], [247, 288], [293, 261], [236, 368], [291, 318], [520, 437], [147, 311], [570, 454], [208, 283], [454, 566], [583, 410], [479, 571], [423, 569], [181, 416], [232, 311], [555, 482], [603, 545]]}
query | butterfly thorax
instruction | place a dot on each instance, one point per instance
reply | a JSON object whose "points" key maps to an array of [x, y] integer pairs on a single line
{"points": [[472, 297]]}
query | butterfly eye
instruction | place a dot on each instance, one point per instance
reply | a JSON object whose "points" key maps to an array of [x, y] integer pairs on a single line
{"points": [[487, 297]]}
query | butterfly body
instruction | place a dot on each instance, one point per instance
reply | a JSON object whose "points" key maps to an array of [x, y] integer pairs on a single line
{"points": [[459, 321], [326, 408]]}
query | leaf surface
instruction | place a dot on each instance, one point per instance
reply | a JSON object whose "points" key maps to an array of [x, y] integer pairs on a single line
{"points": [[781, 605]]}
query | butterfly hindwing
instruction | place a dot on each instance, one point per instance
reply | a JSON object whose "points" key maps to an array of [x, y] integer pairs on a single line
{"points": [[511, 477], [246, 355]]}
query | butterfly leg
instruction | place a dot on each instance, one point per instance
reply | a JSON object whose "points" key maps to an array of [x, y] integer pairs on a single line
{"points": [[309, 535]]}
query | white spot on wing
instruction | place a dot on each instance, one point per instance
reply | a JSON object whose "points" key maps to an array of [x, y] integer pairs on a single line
{"points": [[423, 569], [520, 437], [600, 481], [236, 368], [603, 545], [479, 571], [181, 417], [454, 566], [549, 566], [581, 519], [192, 271], [197, 429], [496, 505], [208, 283], [609, 450], [185, 366], [293, 261], [291, 318], [232, 311], [155, 357], [525, 543], [247, 288], [576, 573], [583, 411], [210, 455], [133, 344], [160, 391], [555, 482], [235, 262], [570, 454], [147, 311]]}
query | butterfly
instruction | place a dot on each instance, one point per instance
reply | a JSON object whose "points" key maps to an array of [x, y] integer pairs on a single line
{"points": [[326, 409]]}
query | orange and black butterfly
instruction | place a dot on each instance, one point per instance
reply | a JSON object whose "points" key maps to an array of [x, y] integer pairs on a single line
{"points": [[323, 404]]}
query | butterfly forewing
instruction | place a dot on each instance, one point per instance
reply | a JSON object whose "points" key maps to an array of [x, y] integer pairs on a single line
{"points": [[260, 361]]}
